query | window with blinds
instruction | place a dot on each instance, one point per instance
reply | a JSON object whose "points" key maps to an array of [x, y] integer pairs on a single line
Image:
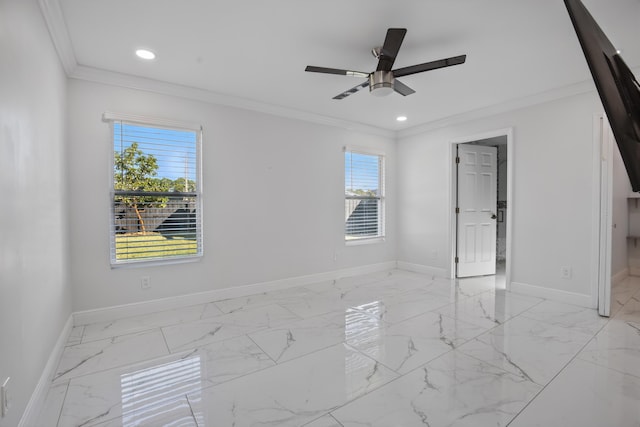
{"points": [[156, 205], [363, 196]]}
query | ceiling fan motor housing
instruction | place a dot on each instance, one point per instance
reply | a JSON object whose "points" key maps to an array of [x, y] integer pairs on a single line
{"points": [[381, 83]]}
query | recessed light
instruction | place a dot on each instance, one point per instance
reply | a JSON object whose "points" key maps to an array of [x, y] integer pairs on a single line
{"points": [[145, 54], [401, 118]]}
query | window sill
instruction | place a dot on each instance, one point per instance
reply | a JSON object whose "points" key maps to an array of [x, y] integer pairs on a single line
{"points": [[156, 262], [370, 241]]}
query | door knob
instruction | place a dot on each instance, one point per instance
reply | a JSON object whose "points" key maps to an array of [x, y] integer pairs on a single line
{"points": [[493, 216]]}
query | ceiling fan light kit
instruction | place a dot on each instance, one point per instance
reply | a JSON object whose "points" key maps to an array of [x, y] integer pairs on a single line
{"points": [[383, 81]]}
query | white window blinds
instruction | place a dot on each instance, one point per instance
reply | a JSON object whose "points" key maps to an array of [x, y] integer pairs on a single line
{"points": [[364, 196], [156, 206]]}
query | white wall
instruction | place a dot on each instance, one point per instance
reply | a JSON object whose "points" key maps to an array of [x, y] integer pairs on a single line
{"points": [[273, 198], [552, 193], [35, 297]]}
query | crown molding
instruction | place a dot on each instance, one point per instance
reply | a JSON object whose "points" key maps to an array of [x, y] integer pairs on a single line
{"points": [[52, 14], [112, 78], [492, 110], [96, 75], [586, 86]]}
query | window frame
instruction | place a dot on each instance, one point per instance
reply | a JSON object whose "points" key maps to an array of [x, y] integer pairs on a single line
{"points": [[381, 198], [166, 124]]}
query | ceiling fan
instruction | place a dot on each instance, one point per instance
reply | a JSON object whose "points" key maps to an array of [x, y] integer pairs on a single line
{"points": [[384, 80]]}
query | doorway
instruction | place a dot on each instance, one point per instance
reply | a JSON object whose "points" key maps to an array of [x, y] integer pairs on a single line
{"points": [[616, 224], [481, 235]]}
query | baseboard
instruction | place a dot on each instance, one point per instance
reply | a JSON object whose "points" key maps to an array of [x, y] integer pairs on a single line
{"points": [[619, 276], [36, 402], [146, 307], [424, 269], [581, 300]]}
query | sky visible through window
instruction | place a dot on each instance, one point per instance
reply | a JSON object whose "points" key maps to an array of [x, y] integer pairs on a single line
{"points": [[361, 172], [174, 150]]}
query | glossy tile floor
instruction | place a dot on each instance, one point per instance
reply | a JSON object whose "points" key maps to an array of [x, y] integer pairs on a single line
{"points": [[387, 349]]}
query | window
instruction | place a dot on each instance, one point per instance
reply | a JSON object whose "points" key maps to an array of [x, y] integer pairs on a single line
{"points": [[156, 204], [363, 196]]}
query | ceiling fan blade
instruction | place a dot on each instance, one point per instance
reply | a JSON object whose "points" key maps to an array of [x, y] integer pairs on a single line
{"points": [[402, 88], [352, 90], [390, 49], [428, 66], [325, 70]]}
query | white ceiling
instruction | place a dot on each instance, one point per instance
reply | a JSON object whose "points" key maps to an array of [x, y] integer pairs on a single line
{"points": [[255, 51]]}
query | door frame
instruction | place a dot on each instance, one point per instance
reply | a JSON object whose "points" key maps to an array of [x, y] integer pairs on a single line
{"points": [[602, 213], [453, 184]]}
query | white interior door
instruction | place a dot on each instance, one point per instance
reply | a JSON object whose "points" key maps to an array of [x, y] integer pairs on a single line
{"points": [[477, 193]]}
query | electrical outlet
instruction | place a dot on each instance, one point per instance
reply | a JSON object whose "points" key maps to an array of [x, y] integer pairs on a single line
{"points": [[565, 272], [145, 282], [4, 397]]}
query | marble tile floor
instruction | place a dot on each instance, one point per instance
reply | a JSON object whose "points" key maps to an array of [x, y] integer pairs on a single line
{"points": [[388, 349]]}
